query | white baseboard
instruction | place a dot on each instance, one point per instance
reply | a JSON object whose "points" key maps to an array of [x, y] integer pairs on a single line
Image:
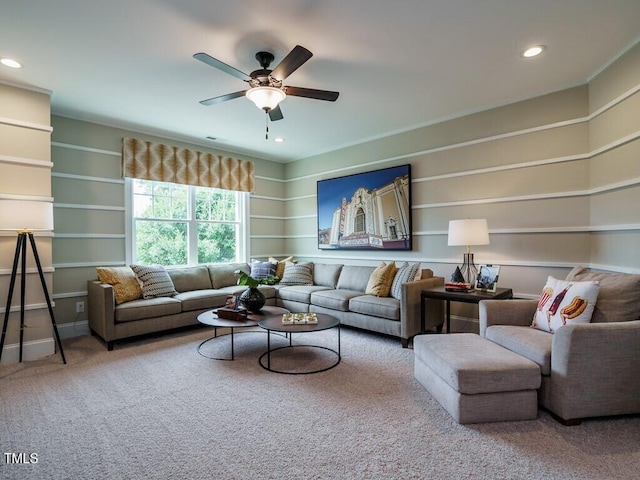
{"points": [[74, 329], [44, 347], [30, 350]]}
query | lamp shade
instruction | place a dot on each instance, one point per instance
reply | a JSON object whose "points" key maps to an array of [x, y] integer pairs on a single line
{"points": [[266, 98], [20, 215], [468, 232]]}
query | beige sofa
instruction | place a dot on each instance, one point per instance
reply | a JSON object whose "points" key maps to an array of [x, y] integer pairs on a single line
{"points": [[337, 290], [588, 370]]}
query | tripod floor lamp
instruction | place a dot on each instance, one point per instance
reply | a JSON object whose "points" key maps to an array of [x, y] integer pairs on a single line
{"points": [[25, 217]]}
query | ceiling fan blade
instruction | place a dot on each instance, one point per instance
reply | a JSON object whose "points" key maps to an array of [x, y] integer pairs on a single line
{"points": [[223, 98], [214, 62], [275, 114], [312, 93], [289, 64]]}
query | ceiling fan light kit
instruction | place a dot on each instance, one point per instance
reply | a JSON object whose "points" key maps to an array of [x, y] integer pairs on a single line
{"points": [[266, 98], [265, 86]]}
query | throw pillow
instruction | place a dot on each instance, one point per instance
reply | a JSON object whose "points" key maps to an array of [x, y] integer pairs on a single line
{"points": [[297, 274], [124, 282], [406, 273], [156, 282], [562, 302], [381, 279], [280, 265], [262, 269]]}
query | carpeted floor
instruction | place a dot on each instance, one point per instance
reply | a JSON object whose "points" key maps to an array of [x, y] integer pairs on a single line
{"points": [[156, 409]]}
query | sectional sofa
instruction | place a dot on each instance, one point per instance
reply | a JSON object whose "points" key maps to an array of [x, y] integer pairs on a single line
{"points": [[337, 290]]}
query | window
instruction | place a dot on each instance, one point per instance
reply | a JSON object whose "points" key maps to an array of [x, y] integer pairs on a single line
{"points": [[176, 224]]}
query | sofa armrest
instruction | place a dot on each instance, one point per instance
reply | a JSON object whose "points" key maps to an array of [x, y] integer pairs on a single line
{"points": [[411, 323], [505, 312], [101, 306], [594, 368]]}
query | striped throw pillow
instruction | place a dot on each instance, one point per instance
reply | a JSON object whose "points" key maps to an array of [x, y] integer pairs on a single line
{"points": [[297, 274], [156, 282], [406, 273]]}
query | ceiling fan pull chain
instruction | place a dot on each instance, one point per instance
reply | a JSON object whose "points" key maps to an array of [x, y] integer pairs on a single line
{"points": [[266, 122]]}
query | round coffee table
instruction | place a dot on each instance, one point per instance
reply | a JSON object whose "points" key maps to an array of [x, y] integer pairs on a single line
{"points": [[274, 324], [210, 318]]}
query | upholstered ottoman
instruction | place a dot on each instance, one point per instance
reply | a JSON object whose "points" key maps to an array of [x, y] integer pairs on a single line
{"points": [[476, 380]]}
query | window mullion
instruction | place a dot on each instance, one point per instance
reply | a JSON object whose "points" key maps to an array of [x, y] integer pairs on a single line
{"points": [[192, 227]]}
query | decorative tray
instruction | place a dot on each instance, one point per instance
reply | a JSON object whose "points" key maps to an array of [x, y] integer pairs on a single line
{"points": [[299, 319], [231, 313]]}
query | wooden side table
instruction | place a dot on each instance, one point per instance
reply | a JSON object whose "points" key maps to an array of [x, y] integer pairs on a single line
{"points": [[439, 293]]}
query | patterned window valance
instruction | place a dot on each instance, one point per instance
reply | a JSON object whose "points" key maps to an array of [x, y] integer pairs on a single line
{"points": [[164, 163]]}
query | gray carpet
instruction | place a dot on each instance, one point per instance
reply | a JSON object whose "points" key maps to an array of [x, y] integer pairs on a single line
{"points": [[155, 409]]}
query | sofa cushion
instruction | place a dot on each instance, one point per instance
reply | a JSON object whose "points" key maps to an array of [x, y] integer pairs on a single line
{"points": [[142, 309], [619, 297], [124, 282], [299, 293], [381, 279], [354, 277], [562, 302], [156, 282], [531, 343], [186, 279], [385, 307], [334, 299], [201, 299], [223, 274], [406, 273], [326, 274], [297, 274], [263, 269]]}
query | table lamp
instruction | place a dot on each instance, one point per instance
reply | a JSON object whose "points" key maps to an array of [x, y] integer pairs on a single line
{"points": [[25, 217], [468, 232]]}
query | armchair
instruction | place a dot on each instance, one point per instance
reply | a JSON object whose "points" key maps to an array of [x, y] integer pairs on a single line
{"points": [[588, 370]]}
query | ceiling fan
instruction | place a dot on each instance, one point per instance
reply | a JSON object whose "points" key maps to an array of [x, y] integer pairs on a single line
{"points": [[266, 89]]}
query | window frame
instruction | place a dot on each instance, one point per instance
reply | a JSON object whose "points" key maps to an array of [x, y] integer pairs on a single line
{"points": [[242, 242]]}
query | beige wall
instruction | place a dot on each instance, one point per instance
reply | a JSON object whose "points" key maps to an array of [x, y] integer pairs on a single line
{"points": [[25, 174], [556, 177]]}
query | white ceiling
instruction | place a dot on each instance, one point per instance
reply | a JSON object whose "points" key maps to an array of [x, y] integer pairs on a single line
{"points": [[397, 64]]}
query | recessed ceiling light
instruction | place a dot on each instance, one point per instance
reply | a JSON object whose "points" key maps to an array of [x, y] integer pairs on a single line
{"points": [[533, 51], [10, 62], [278, 139]]}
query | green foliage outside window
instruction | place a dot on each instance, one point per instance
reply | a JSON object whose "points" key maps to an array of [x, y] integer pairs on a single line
{"points": [[163, 223]]}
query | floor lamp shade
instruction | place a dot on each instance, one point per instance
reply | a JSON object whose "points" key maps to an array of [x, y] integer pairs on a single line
{"points": [[26, 215]]}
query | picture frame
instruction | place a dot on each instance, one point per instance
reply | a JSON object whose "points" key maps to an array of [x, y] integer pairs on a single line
{"points": [[366, 211], [487, 278]]}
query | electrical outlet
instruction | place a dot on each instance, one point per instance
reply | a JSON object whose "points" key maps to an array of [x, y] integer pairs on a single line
{"points": [[79, 307]]}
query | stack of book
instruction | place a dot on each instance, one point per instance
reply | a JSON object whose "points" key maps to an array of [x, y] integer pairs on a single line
{"points": [[458, 287]]}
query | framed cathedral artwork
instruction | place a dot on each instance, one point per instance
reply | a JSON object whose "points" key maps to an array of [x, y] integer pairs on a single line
{"points": [[366, 211]]}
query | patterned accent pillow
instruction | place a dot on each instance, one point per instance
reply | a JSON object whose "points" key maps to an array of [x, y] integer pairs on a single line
{"points": [[562, 302], [297, 274], [124, 282], [262, 269], [381, 279], [406, 273], [280, 264], [156, 282]]}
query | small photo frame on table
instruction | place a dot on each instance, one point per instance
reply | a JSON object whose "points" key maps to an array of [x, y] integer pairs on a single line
{"points": [[487, 279]]}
